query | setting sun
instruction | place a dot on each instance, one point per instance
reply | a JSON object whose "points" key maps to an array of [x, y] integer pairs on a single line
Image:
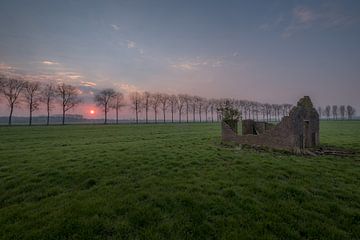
{"points": [[92, 112]]}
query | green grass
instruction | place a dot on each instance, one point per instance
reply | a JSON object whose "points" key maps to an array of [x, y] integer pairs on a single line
{"points": [[172, 182]]}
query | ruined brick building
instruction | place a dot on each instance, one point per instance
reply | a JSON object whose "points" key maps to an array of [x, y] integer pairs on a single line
{"points": [[298, 131]]}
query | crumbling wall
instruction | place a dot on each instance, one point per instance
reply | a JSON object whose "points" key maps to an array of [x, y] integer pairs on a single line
{"points": [[227, 133], [297, 131], [278, 137]]}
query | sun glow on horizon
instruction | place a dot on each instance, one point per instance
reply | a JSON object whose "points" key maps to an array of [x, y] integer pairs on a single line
{"points": [[92, 112]]}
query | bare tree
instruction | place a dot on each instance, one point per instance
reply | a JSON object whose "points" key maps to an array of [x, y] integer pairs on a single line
{"points": [[136, 104], [320, 112], [342, 111], [173, 101], [117, 104], [182, 99], [11, 89], [69, 98], [200, 105], [155, 101], [164, 98], [146, 100], [192, 103], [288, 108], [48, 96], [268, 111], [247, 108], [335, 111], [212, 108], [207, 106], [32, 95], [350, 111], [327, 111], [103, 99], [188, 100], [262, 109]]}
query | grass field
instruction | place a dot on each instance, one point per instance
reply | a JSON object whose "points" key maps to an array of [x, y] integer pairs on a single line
{"points": [[172, 182]]}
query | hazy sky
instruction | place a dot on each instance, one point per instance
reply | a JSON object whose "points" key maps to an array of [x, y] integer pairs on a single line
{"points": [[275, 51]]}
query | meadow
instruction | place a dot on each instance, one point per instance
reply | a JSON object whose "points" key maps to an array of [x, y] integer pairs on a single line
{"points": [[173, 181]]}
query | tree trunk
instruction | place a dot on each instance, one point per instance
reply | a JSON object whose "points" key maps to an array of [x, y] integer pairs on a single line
{"points": [[63, 117], [187, 113], [105, 120], [164, 114], [136, 113], [48, 113], [200, 113], [146, 114], [179, 116], [117, 114], [11, 112], [30, 114]]}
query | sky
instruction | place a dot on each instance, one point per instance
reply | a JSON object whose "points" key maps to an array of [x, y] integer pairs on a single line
{"points": [[269, 51]]}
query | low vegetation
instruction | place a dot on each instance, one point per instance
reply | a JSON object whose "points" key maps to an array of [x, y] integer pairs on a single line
{"points": [[172, 181]]}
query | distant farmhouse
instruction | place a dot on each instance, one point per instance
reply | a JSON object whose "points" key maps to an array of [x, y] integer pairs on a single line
{"points": [[296, 132]]}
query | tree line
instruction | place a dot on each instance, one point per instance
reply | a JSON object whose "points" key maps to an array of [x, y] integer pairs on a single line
{"points": [[17, 90], [337, 112], [163, 107]]}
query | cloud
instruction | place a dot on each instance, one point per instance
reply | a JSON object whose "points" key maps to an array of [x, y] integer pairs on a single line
{"points": [[272, 24], [127, 88], [131, 44], [47, 62], [197, 63], [88, 84], [184, 66], [304, 15], [304, 18], [74, 77], [7, 69], [115, 27]]}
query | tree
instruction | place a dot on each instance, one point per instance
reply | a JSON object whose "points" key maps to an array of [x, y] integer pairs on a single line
{"points": [[268, 111], [103, 99], [136, 104], [207, 106], [212, 107], [320, 112], [146, 100], [69, 98], [327, 111], [196, 104], [173, 101], [117, 103], [200, 105], [350, 111], [48, 95], [335, 111], [181, 101], [164, 104], [342, 111], [188, 100], [32, 92], [11, 89], [288, 108], [155, 101]]}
